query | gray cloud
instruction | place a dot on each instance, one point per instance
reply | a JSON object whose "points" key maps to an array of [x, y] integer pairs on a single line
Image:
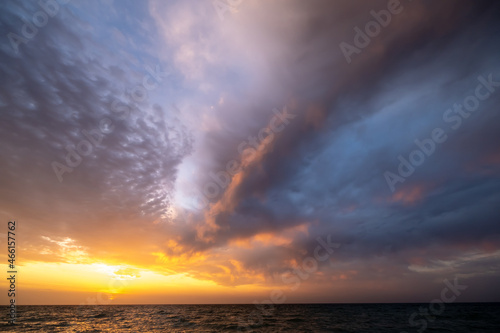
{"points": [[61, 85], [322, 175]]}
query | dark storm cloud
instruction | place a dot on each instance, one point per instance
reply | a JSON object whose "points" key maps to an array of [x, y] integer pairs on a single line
{"points": [[354, 119]]}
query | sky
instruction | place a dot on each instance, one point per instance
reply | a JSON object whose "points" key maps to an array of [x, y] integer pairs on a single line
{"points": [[237, 151]]}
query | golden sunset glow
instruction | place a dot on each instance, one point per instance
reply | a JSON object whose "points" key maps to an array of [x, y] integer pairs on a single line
{"points": [[247, 151]]}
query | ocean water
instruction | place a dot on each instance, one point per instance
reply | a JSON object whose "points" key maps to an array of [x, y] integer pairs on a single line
{"points": [[457, 317]]}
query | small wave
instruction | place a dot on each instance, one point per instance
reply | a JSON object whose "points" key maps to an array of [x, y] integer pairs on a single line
{"points": [[100, 315], [295, 320]]}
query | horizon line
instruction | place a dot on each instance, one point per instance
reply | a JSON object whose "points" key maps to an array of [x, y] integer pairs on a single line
{"points": [[315, 303]]}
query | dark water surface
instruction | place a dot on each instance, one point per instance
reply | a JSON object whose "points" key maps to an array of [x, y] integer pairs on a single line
{"points": [[458, 317]]}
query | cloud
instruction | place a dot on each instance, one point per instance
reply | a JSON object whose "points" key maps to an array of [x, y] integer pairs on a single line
{"points": [[132, 198], [327, 168], [56, 93]]}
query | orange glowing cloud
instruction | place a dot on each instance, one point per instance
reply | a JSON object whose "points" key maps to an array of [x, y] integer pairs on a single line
{"points": [[284, 237], [250, 159], [409, 195]]}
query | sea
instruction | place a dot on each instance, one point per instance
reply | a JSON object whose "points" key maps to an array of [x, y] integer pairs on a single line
{"points": [[369, 318]]}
